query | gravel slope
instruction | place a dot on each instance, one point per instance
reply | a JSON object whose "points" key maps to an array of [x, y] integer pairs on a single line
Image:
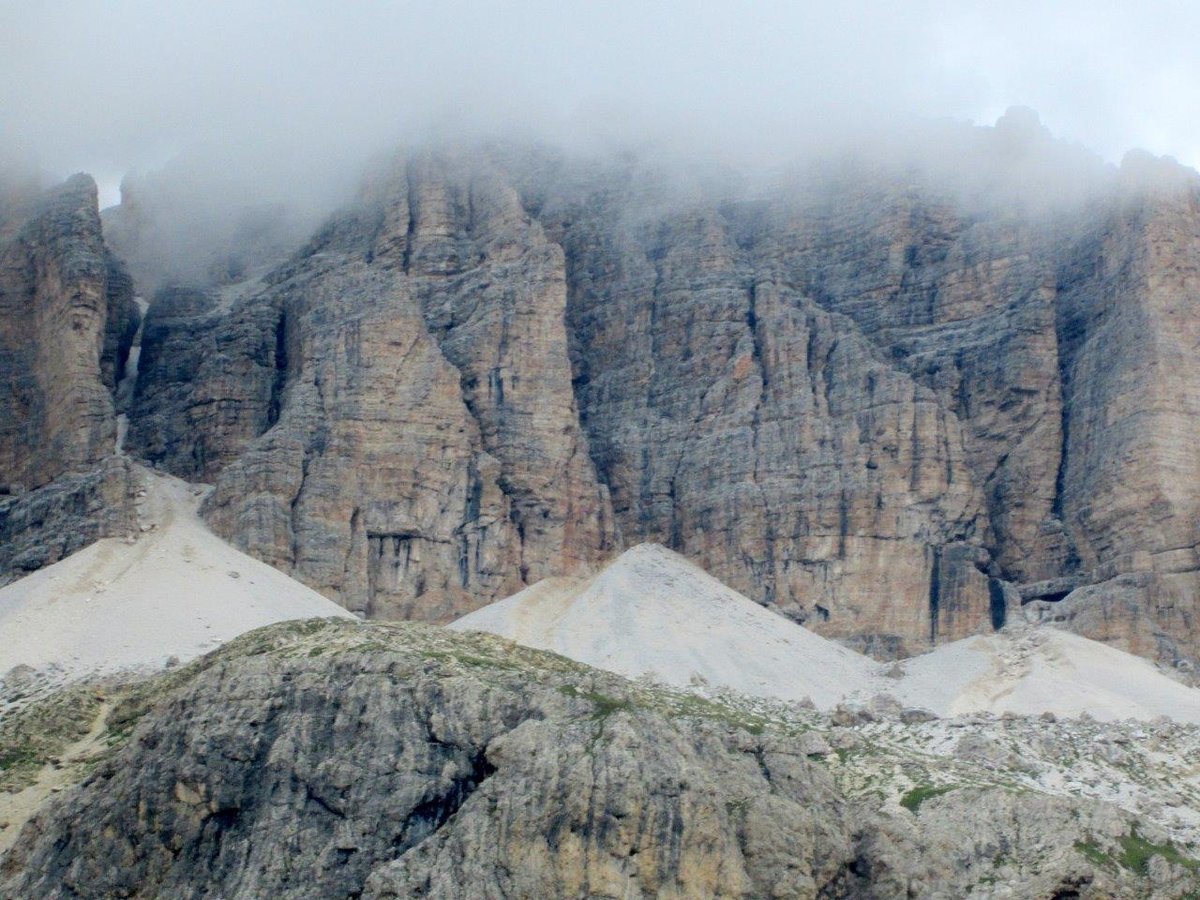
{"points": [[652, 612], [118, 605]]}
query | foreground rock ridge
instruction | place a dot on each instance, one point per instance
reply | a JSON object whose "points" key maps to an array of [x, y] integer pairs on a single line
{"points": [[894, 410], [322, 759]]}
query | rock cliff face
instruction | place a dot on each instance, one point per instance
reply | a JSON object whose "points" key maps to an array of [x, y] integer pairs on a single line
{"points": [[42, 526], [765, 435], [67, 321], [1129, 325], [891, 407], [314, 760], [420, 450]]}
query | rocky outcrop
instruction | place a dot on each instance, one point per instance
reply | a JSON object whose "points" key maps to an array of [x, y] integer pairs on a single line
{"points": [[42, 526], [420, 451], [193, 424], [500, 333], [67, 320], [315, 760], [880, 400], [737, 419], [1129, 323]]}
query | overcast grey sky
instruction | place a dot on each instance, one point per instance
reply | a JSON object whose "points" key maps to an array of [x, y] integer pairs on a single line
{"points": [[110, 86]]}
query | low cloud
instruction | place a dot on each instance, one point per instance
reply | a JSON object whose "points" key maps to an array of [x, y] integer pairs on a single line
{"points": [[289, 98]]}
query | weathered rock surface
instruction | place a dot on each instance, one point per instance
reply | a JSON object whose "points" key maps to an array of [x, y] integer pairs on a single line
{"points": [[871, 399], [750, 427], [42, 526], [221, 413], [346, 760], [1129, 325], [422, 452], [67, 319]]}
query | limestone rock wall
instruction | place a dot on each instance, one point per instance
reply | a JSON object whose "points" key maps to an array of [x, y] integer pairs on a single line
{"points": [[742, 423], [67, 319], [869, 399], [420, 451], [964, 304], [42, 526], [1130, 329], [208, 380]]}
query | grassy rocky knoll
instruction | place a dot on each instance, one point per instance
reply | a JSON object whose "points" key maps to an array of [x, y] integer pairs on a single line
{"points": [[338, 759]]}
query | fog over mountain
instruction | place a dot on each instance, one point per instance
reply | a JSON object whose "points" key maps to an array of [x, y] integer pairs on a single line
{"points": [[292, 98]]}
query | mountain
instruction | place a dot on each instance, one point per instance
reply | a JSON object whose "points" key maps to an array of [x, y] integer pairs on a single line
{"points": [[900, 402], [67, 322], [889, 408]]}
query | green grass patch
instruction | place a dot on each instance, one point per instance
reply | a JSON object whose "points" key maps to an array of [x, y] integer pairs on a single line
{"points": [[913, 799], [693, 706], [1136, 853], [737, 808], [605, 705], [32, 736], [1095, 854], [471, 660]]}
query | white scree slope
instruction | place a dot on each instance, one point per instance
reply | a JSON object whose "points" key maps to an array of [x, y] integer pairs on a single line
{"points": [[1034, 670], [178, 590], [653, 612]]}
